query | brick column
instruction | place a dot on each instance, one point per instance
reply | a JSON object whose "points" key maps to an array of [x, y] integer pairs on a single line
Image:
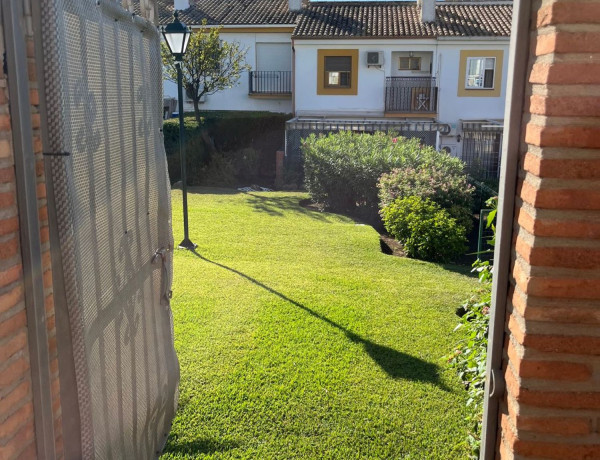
{"points": [[552, 343], [17, 424]]}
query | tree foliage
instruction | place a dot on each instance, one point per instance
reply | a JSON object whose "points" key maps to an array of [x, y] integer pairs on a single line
{"points": [[209, 65]]}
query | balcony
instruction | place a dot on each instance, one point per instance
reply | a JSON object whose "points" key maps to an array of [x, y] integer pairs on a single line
{"points": [[411, 95], [270, 83]]}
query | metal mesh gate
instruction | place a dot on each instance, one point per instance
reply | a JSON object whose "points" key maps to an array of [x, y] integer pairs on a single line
{"points": [[113, 221]]}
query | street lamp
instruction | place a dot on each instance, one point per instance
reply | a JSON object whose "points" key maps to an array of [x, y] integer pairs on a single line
{"points": [[177, 36]]}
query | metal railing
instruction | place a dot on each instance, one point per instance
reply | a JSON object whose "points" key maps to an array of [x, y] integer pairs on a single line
{"points": [[411, 94], [270, 82], [482, 148]]}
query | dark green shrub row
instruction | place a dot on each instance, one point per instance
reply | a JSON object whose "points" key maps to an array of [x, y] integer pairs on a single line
{"points": [[242, 145], [426, 230]]}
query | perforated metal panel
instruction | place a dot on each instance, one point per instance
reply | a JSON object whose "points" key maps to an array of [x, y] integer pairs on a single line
{"points": [[113, 219]]}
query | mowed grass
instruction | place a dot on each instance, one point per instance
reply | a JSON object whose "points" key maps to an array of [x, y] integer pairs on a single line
{"points": [[298, 339]]}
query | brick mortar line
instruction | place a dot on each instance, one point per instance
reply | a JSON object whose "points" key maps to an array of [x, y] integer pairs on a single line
{"points": [[15, 310], [27, 399], [546, 121]]}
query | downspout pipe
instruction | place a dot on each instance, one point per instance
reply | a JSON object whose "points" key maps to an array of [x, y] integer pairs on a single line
{"points": [[513, 116]]}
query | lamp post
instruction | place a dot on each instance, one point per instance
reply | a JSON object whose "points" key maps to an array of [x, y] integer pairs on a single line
{"points": [[177, 36]]}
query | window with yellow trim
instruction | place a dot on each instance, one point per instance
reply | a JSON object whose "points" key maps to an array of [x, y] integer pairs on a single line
{"points": [[337, 72]]}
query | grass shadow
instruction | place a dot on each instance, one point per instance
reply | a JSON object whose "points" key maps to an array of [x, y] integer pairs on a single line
{"points": [[276, 205], [394, 363], [205, 190]]}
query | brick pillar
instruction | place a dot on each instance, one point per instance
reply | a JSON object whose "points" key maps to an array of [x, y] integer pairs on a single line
{"points": [[552, 343], [17, 424], [279, 171]]}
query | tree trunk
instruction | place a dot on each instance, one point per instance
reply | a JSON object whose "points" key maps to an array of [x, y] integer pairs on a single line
{"points": [[197, 109]]}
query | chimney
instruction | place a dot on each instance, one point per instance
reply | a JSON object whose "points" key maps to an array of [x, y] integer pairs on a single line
{"points": [[295, 5], [426, 10], [181, 5]]}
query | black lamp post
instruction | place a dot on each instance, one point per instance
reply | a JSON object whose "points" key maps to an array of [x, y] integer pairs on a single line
{"points": [[177, 36]]}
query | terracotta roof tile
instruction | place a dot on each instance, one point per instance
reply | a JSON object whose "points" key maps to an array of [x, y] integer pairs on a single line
{"points": [[401, 20], [338, 20], [230, 12]]}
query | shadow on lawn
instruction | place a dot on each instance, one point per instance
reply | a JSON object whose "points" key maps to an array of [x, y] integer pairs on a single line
{"points": [[396, 364], [276, 205]]}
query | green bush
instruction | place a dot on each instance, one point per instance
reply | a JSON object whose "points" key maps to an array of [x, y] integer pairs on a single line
{"points": [[425, 230], [249, 137], [470, 356], [441, 179], [341, 169]]}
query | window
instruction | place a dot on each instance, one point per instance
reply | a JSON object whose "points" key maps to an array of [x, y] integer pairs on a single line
{"points": [[410, 63], [338, 71], [480, 73]]}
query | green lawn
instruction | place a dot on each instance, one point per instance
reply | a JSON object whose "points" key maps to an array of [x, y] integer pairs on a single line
{"points": [[297, 338]]}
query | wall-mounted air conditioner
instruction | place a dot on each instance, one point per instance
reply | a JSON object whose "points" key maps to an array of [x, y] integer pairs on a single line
{"points": [[374, 58]]}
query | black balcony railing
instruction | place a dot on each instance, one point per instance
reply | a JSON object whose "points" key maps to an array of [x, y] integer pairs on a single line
{"points": [[270, 82], [411, 94]]}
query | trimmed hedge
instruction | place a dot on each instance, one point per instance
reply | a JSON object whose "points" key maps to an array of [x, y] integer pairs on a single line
{"points": [[242, 145]]}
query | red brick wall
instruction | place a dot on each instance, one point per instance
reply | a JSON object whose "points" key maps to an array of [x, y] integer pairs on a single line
{"points": [[17, 429], [552, 350]]}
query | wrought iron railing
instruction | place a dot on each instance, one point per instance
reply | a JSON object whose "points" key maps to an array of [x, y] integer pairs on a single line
{"points": [[411, 94], [270, 82]]}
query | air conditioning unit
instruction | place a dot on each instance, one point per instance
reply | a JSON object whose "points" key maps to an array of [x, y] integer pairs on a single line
{"points": [[374, 58], [450, 149]]}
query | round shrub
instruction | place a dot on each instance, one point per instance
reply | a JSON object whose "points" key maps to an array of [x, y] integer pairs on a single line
{"points": [[341, 170], [426, 230], [441, 180]]}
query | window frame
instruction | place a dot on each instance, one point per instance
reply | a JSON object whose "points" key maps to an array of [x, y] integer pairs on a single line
{"points": [[410, 59], [327, 74], [323, 86], [467, 75]]}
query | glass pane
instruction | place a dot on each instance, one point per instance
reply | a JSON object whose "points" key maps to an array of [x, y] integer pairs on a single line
{"points": [[489, 63], [415, 63], [488, 81], [345, 79], [186, 42], [338, 63], [175, 42], [404, 63], [475, 72], [333, 78]]}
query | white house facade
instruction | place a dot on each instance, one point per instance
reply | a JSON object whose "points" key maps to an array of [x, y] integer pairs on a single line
{"points": [[429, 66]]}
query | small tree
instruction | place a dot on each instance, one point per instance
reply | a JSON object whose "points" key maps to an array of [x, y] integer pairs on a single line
{"points": [[208, 66]]}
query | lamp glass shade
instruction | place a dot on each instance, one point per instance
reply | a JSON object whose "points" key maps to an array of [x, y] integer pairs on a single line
{"points": [[177, 36]]}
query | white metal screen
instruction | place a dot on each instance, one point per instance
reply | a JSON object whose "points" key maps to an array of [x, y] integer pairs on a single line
{"points": [[113, 221]]}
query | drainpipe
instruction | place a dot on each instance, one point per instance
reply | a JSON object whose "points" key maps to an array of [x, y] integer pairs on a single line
{"points": [[293, 79], [515, 91]]}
